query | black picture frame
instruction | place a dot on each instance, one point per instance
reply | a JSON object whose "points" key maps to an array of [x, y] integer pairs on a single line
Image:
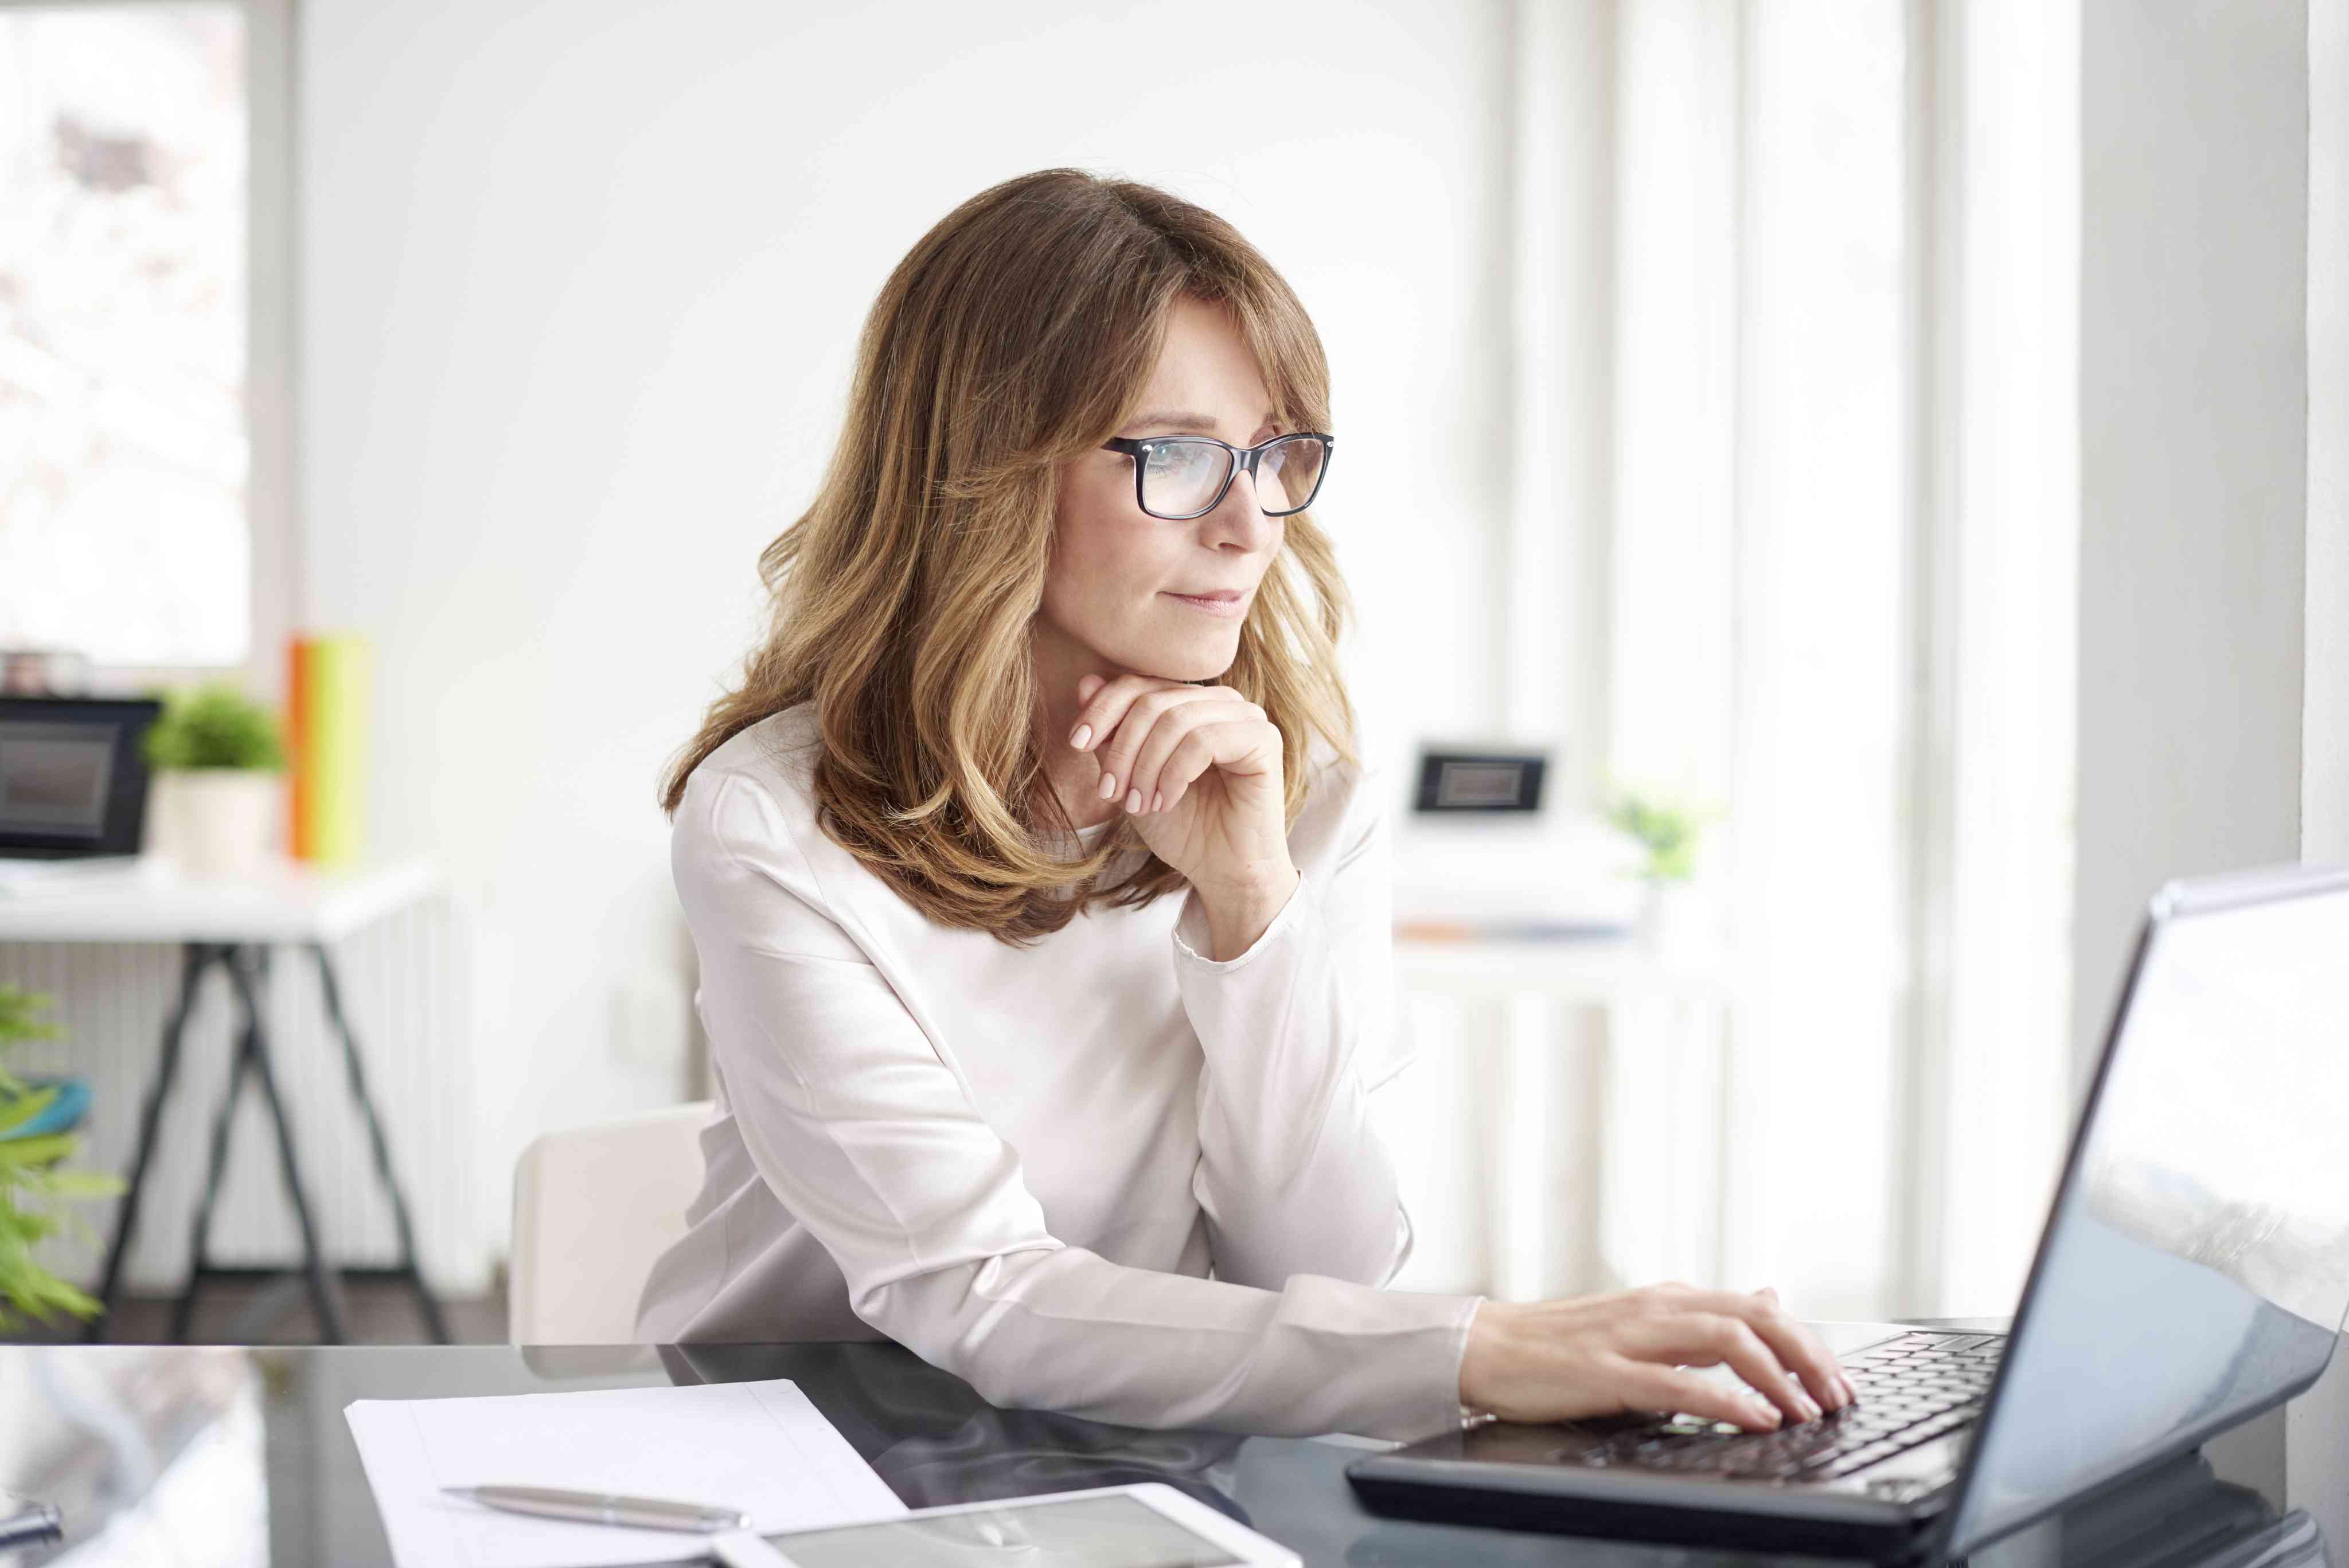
{"points": [[1441, 770], [124, 722]]}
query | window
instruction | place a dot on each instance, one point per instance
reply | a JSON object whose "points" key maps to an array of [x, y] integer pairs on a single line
{"points": [[1835, 531], [125, 446]]}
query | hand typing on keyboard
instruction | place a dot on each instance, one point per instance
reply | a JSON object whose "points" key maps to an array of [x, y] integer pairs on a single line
{"points": [[1633, 1350], [1913, 1388]]}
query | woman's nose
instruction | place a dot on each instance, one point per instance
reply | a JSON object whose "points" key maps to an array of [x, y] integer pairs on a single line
{"points": [[1239, 518]]}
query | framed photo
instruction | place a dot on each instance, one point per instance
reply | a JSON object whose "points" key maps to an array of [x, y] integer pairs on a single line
{"points": [[73, 775], [1479, 782]]}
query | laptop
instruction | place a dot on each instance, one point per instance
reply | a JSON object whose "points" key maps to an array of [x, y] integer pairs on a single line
{"points": [[2194, 1271]]}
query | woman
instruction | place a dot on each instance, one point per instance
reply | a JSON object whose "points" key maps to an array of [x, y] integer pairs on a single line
{"points": [[1042, 904]]}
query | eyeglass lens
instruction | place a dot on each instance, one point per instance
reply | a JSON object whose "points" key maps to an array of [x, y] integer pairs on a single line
{"points": [[1180, 477]]}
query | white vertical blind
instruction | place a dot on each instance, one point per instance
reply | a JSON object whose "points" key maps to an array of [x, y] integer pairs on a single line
{"points": [[1675, 222], [1822, 651], [2009, 137], [1673, 615], [1760, 654]]}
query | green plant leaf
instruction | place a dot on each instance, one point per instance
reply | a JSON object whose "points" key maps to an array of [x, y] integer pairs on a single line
{"points": [[20, 1152], [1667, 829], [17, 1108], [214, 725], [28, 1169], [82, 1184], [17, 1017]]}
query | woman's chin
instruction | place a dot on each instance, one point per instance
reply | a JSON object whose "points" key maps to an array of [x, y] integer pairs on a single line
{"points": [[1191, 663]]}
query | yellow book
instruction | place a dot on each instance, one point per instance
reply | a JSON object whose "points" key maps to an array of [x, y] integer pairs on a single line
{"points": [[336, 692]]}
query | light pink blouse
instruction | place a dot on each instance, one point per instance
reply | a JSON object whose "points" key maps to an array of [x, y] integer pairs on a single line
{"points": [[1104, 1174]]}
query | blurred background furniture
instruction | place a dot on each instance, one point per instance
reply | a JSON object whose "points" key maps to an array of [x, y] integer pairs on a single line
{"points": [[1594, 1076], [236, 927], [593, 1207]]}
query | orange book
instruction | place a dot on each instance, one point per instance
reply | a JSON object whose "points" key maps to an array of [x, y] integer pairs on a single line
{"points": [[299, 834]]}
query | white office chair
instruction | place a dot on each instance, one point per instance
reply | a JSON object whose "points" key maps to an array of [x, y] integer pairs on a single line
{"points": [[593, 1207]]}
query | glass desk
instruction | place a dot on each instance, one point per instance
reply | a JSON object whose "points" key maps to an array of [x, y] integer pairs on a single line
{"points": [[231, 1455]]}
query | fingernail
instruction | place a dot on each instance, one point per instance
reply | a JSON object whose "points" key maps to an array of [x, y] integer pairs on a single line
{"points": [[1767, 1415], [1084, 733], [1158, 801], [1133, 800], [1811, 1411], [1109, 786]]}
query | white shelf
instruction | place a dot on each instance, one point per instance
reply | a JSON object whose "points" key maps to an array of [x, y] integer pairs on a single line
{"points": [[1581, 970], [291, 902]]}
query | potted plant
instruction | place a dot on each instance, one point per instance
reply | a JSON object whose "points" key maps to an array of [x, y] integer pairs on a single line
{"points": [[219, 754], [36, 1137], [1673, 915]]}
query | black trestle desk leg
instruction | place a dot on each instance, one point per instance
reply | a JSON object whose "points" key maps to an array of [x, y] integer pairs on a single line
{"points": [[322, 1287], [194, 958], [183, 1312], [433, 1322]]}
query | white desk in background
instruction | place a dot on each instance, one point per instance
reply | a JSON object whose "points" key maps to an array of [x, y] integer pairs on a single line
{"points": [[236, 926], [1666, 1110]]}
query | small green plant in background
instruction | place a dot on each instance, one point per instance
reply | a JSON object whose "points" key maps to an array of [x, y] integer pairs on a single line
{"points": [[1667, 828], [214, 726], [30, 1181]]}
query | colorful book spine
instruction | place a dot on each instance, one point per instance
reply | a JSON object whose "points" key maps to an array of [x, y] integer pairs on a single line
{"points": [[297, 747], [328, 687]]}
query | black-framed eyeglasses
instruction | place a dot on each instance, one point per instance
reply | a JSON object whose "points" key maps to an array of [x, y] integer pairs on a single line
{"points": [[1186, 476]]}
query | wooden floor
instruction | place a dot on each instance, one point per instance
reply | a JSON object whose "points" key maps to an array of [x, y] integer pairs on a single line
{"points": [[237, 1311]]}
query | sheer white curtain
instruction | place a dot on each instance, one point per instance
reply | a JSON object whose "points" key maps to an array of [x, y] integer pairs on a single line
{"points": [[1795, 392]]}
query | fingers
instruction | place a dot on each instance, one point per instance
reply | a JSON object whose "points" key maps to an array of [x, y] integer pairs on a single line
{"points": [[1186, 742], [1101, 709], [1708, 1339], [1645, 1386], [1139, 725], [1153, 723], [1797, 1349], [1635, 1350], [1804, 1353]]}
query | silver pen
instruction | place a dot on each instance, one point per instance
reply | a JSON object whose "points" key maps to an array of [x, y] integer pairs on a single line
{"points": [[605, 1507]]}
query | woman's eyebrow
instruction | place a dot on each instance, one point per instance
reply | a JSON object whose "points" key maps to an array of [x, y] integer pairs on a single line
{"points": [[1179, 420]]}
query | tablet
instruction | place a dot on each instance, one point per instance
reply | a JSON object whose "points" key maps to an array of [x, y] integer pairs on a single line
{"points": [[1148, 1524]]}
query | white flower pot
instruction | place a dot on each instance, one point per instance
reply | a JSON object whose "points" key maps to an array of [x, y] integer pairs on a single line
{"points": [[1676, 919], [225, 825]]}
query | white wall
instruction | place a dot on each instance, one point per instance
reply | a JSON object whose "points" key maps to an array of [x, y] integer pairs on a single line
{"points": [[581, 283], [2193, 434]]}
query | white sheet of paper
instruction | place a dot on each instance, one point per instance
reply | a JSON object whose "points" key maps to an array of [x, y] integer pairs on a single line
{"points": [[761, 1448]]}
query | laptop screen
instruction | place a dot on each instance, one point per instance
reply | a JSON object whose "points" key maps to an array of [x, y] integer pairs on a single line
{"points": [[73, 781], [56, 778], [2196, 1266]]}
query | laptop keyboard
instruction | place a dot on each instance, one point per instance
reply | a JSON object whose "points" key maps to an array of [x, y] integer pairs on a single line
{"points": [[1912, 1389]]}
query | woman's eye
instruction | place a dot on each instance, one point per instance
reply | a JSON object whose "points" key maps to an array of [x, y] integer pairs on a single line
{"points": [[1175, 459]]}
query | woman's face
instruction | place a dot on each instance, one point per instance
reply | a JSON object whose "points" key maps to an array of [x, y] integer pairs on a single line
{"points": [[1109, 592]]}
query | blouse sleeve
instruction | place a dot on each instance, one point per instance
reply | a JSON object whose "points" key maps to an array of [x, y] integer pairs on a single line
{"points": [[870, 1136], [1296, 1031]]}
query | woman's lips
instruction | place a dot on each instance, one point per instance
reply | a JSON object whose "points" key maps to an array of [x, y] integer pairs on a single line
{"points": [[1229, 608]]}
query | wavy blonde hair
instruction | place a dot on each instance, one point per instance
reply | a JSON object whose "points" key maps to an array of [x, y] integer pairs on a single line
{"points": [[1015, 336]]}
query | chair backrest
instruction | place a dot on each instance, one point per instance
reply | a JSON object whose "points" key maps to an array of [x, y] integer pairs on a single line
{"points": [[593, 1207]]}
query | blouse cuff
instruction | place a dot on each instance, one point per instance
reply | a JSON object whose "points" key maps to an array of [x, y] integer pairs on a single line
{"points": [[1405, 1361], [1191, 934]]}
